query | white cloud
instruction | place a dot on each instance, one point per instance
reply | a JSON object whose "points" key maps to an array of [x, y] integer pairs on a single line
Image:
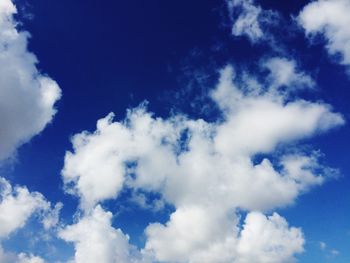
{"points": [[197, 235], [330, 18], [96, 170], [269, 118], [206, 170], [95, 240], [285, 73], [17, 206], [268, 240], [192, 234], [27, 97], [7, 257], [23, 258], [251, 20], [247, 22], [52, 216]]}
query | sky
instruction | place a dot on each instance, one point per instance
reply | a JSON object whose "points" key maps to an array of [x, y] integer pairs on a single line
{"points": [[174, 131]]}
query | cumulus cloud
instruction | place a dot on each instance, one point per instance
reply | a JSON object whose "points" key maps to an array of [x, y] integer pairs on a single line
{"points": [[24, 258], [6, 257], [98, 167], [95, 240], [330, 18], [96, 170], [27, 96], [268, 239], [27, 99], [193, 234], [203, 236], [207, 170], [17, 205]]}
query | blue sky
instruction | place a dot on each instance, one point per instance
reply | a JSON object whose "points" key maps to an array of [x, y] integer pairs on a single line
{"points": [[228, 140]]}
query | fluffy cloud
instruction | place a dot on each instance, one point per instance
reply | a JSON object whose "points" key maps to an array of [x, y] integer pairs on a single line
{"points": [[193, 234], [207, 170], [27, 97], [95, 240], [250, 20], [102, 161], [96, 170], [203, 236], [17, 205], [268, 240], [285, 73], [330, 18], [6, 257], [23, 258]]}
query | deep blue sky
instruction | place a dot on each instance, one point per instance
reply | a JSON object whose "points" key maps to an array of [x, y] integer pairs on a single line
{"points": [[111, 55]]}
